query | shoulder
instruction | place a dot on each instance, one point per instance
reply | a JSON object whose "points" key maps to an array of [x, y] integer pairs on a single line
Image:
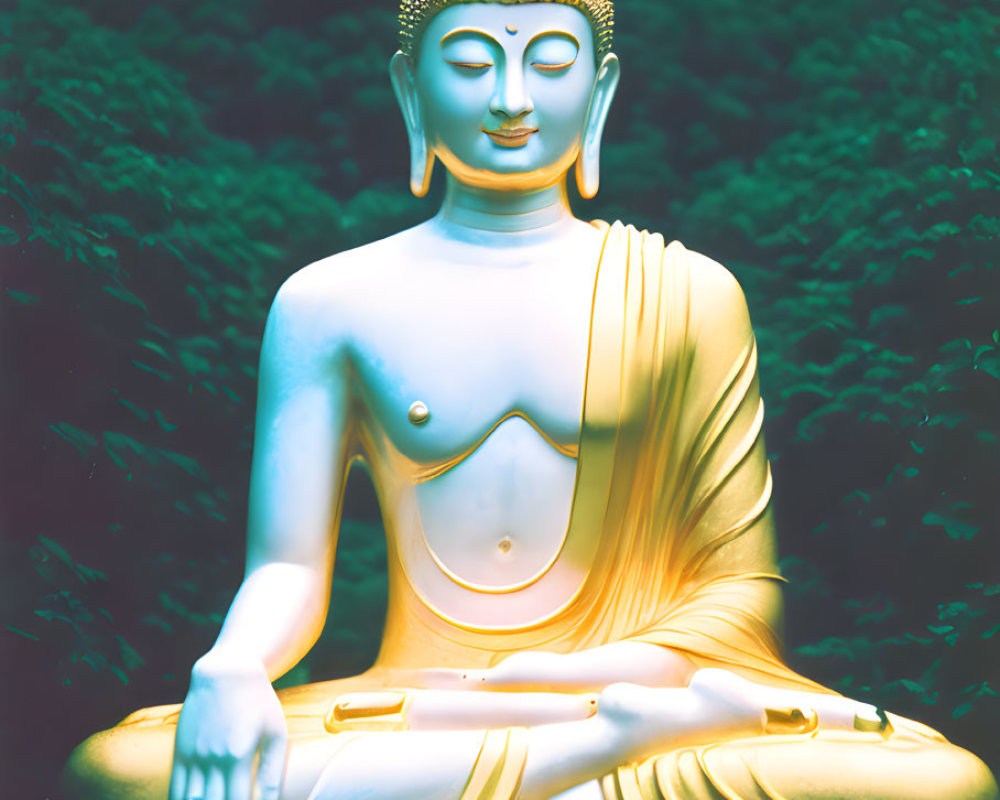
{"points": [[332, 296], [713, 286], [715, 299], [718, 328], [333, 279], [717, 304], [709, 281]]}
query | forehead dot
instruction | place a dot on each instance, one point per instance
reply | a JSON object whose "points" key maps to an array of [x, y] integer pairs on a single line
{"points": [[511, 30]]}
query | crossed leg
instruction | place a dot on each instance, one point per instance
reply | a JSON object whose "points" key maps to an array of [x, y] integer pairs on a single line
{"points": [[566, 760]]}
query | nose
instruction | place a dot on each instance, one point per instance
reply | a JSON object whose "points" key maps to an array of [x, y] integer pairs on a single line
{"points": [[510, 96]]}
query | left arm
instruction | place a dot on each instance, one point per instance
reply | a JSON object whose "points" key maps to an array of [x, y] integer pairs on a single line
{"points": [[587, 670]]}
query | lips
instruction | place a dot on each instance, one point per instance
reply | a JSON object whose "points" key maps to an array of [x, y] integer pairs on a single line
{"points": [[511, 137]]}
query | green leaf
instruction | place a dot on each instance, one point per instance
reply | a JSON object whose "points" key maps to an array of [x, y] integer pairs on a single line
{"points": [[186, 463], [955, 529], [162, 422], [130, 658], [989, 363], [123, 294], [22, 297], [19, 632], [84, 574], [154, 347], [48, 616], [159, 373], [195, 363], [8, 236], [81, 440], [139, 412]]}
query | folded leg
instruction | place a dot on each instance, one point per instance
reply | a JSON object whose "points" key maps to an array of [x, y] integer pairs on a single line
{"points": [[907, 765]]}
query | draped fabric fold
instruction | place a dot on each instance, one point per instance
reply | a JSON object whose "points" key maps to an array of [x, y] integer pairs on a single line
{"points": [[499, 767], [674, 477]]}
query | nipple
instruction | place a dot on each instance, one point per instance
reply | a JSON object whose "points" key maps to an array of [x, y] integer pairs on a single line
{"points": [[418, 413]]}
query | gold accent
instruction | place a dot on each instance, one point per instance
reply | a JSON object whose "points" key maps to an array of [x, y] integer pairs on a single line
{"points": [[790, 720], [511, 30], [368, 711], [429, 473], [469, 64], [880, 723], [415, 14], [552, 67], [509, 588], [499, 767], [418, 413], [505, 544]]}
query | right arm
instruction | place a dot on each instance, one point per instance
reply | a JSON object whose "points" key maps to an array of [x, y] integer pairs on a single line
{"points": [[231, 711]]}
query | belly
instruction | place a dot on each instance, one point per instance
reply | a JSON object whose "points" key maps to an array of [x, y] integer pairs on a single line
{"points": [[497, 521]]}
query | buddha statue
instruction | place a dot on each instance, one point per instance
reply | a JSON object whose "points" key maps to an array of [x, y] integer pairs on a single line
{"points": [[562, 423]]}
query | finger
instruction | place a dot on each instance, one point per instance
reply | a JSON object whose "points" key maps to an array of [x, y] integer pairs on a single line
{"points": [[272, 766], [508, 676], [475, 678], [195, 784], [240, 780], [444, 678], [178, 781], [215, 785], [524, 669]]}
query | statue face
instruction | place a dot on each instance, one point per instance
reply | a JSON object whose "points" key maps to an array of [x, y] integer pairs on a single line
{"points": [[504, 91]]}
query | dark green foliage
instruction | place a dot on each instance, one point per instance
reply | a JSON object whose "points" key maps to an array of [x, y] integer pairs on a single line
{"points": [[163, 167]]}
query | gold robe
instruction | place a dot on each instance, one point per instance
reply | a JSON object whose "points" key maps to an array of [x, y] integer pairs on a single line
{"points": [[671, 513]]}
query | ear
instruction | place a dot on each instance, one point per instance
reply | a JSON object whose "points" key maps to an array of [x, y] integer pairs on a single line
{"points": [[588, 164], [421, 157]]}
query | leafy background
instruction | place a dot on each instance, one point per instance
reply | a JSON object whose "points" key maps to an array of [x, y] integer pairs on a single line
{"points": [[165, 165]]}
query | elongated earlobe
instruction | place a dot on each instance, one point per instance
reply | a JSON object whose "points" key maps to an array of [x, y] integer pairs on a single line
{"points": [[588, 164], [421, 156], [421, 165]]}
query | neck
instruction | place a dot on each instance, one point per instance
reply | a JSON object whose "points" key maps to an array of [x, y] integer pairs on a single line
{"points": [[479, 212]]}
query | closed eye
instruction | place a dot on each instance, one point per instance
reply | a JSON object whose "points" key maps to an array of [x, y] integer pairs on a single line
{"points": [[552, 51], [476, 66], [551, 67]]}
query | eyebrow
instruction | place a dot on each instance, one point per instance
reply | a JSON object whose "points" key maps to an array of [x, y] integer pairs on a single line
{"points": [[563, 34], [460, 31]]}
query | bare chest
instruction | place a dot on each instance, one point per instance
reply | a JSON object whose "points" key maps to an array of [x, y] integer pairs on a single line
{"points": [[452, 350]]}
